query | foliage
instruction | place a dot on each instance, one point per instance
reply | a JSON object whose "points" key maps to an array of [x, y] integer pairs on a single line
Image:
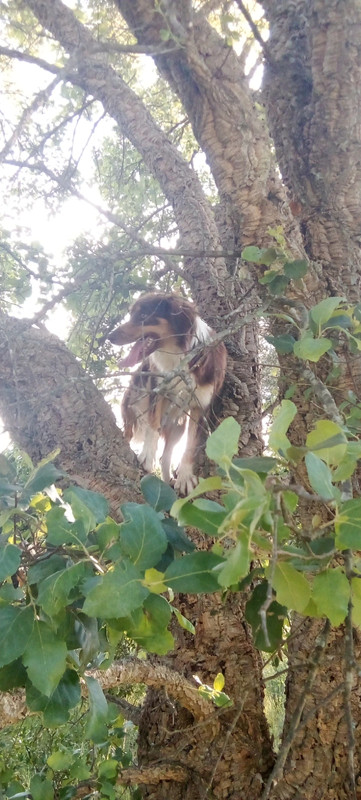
{"points": [[74, 582], [54, 760], [77, 565]]}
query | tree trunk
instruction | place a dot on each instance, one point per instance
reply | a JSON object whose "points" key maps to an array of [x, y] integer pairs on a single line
{"points": [[312, 93], [47, 402]]}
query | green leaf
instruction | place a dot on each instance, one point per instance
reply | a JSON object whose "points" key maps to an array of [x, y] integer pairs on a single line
{"points": [[323, 311], [12, 676], [331, 593], [41, 788], [218, 683], [204, 485], [279, 284], [148, 626], [183, 621], [54, 591], [291, 500], [284, 415], [165, 34], [193, 573], [328, 440], [87, 638], [283, 343], [16, 625], [61, 531], [43, 476], [153, 579], [275, 616], [8, 593], [158, 494], [345, 469], [222, 444], [89, 507], [348, 526], [60, 760], [6, 467], [117, 594], [237, 562], [10, 557], [97, 717], [342, 321], [203, 514], [142, 537], [252, 254], [45, 567], [311, 349], [108, 768], [320, 477], [176, 536], [295, 269], [292, 589], [45, 658], [106, 534], [266, 256], [269, 276], [260, 464], [56, 707]]}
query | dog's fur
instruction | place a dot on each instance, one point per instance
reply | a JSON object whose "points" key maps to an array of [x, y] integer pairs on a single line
{"points": [[165, 328]]}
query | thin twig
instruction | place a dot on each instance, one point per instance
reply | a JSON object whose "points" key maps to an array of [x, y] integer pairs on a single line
{"points": [[253, 28]]}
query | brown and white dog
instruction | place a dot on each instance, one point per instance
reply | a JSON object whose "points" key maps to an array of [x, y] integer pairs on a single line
{"points": [[165, 329]]}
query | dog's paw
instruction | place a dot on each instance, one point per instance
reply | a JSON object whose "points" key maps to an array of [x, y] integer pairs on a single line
{"points": [[185, 482], [146, 461]]}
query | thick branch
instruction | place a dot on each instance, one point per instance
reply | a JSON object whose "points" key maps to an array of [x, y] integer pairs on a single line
{"points": [[313, 95], [207, 76], [161, 677], [152, 775], [47, 401], [177, 180]]}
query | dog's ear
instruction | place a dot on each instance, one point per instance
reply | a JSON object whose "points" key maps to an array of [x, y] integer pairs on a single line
{"points": [[180, 315]]}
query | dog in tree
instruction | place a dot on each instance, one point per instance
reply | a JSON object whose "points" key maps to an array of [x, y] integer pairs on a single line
{"points": [[180, 374]]}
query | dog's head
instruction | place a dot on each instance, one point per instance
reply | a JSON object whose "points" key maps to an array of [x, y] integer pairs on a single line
{"points": [[156, 321]]}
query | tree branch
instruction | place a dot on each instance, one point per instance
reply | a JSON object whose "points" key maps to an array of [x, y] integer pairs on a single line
{"points": [[253, 28], [161, 677], [39, 62]]}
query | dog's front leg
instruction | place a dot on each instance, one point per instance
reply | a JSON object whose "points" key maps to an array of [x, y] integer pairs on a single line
{"points": [[172, 434], [149, 449], [186, 479]]}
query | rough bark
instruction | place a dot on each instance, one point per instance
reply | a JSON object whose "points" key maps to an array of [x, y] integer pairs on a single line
{"points": [[47, 402], [312, 92], [322, 744], [236, 762], [209, 78]]}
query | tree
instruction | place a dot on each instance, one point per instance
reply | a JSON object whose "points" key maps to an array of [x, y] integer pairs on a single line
{"points": [[301, 234]]}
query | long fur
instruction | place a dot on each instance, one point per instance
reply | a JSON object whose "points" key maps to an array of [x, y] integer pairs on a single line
{"points": [[165, 328]]}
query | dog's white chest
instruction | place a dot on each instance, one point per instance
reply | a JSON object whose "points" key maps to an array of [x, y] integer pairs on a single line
{"points": [[166, 360]]}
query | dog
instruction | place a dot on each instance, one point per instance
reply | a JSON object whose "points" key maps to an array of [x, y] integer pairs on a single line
{"points": [[171, 391]]}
